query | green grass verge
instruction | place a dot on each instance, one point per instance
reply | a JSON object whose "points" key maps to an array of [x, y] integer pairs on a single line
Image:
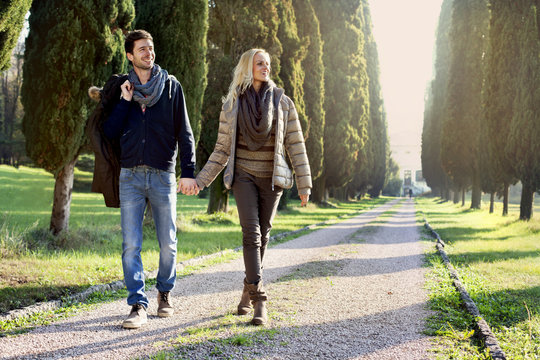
{"points": [[498, 260], [37, 267]]}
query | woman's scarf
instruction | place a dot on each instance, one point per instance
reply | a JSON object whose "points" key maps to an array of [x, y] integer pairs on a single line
{"points": [[149, 93], [255, 115]]}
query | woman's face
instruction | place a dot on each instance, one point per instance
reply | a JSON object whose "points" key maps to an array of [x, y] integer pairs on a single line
{"points": [[261, 68]]}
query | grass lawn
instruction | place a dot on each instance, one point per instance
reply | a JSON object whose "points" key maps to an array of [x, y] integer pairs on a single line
{"points": [[498, 260], [35, 266]]}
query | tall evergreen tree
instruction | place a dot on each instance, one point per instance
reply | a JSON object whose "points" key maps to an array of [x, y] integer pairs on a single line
{"points": [[70, 47], [291, 71], [12, 15], [523, 141], [181, 47], [11, 141], [294, 52], [432, 169], [235, 27], [377, 131], [500, 90], [313, 86], [346, 93], [463, 107]]}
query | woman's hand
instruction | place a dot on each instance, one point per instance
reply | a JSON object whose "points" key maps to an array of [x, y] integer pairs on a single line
{"points": [[304, 199]]}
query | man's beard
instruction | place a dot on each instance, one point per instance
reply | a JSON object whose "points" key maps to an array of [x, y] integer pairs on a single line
{"points": [[142, 65]]}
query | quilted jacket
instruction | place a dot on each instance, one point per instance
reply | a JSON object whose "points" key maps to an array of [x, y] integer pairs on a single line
{"points": [[289, 138]]}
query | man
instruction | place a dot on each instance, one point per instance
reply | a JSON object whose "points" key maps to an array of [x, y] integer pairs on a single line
{"points": [[152, 125]]}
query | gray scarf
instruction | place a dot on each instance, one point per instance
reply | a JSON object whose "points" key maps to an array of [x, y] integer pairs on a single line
{"points": [[149, 93], [255, 115]]}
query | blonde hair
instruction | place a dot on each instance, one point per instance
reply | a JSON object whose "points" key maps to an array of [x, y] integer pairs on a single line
{"points": [[243, 76]]}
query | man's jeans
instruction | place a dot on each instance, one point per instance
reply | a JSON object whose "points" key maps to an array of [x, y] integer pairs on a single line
{"points": [[138, 186]]}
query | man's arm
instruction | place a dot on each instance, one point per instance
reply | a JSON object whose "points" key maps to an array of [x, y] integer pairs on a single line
{"points": [[114, 125], [186, 145]]}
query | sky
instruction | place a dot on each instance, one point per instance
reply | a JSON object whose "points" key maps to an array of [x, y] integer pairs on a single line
{"points": [[405, 36]]}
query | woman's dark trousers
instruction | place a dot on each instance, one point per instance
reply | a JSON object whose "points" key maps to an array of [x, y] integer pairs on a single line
{"points": [[257, 205]]}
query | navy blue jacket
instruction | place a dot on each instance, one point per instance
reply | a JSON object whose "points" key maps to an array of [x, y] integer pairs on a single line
{"points": [[153, 138]]}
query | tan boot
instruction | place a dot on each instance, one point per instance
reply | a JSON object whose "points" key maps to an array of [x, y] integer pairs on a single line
{"points": [[137, 317], [245, 303], [258, 297], [164, 304]]}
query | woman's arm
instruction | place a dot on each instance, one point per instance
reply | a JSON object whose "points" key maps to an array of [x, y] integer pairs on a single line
{"points": [[296, 148], [219, 157]]}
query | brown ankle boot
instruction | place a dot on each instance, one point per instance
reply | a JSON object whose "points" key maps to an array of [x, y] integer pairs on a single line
{"points": [[137, 317], [245, 303], [164, 304], [258, 297]]}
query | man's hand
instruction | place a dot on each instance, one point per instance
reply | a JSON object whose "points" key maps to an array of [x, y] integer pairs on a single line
{"points": [[187, 186], [127, 90], [304, 199]]}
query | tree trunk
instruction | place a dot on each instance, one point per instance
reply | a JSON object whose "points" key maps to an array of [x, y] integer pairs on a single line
{"points": [[219, 196], [505, 199], [491, 202], [456, 196], [447, 194], [476, 196], [463, 197], [318, 192], [527, 197], [148, 215], [63, 188], [340, 194], [284, 199]]}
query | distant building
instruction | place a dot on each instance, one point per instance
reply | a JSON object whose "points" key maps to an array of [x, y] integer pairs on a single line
{"points": [[418, 186]]}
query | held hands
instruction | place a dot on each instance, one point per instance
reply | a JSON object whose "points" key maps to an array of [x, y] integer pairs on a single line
{"points": [[304, 199], [187, 186], [127, 90]]}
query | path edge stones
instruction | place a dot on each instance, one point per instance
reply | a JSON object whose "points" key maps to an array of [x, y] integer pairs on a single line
{"points": [[481, 325]]}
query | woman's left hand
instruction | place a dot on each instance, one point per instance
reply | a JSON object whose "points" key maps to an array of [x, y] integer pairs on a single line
{"points": [[304, 199]]}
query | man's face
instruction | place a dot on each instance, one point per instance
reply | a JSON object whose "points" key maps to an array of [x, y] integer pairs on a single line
{"points": [[143, 54]]}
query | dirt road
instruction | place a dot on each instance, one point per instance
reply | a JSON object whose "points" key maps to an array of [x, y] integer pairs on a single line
{"points": [[353, 290]]}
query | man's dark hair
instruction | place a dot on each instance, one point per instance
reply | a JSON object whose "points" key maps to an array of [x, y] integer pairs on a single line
{"points": [[133, 36]]}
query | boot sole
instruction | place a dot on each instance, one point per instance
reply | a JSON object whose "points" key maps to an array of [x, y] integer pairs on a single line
{"points": [[258, 322], [244, 311], [164, 315], [133, 326]]}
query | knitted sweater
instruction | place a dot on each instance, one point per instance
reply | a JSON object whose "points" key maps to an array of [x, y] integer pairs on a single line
{"points": [[260, 162]]}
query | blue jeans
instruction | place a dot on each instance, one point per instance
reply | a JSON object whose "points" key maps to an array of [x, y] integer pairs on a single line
{"points": [[138, 186]]}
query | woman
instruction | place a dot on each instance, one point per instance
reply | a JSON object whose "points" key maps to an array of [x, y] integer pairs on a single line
{"points": [[258, 122]]}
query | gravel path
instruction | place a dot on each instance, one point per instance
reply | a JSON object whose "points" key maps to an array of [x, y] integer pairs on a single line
{"points": [[353, 290]]}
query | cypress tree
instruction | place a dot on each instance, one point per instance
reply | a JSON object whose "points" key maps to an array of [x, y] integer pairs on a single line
{"points": [[69, 48], [346, 93], [180, 43], [11, 139], [12, 15], [370, 168], [313, 86], [294, 52], [499, 94], [235, 26], [377, 132], [523, 142], [463, 107], [291, 71], [432, 170]]}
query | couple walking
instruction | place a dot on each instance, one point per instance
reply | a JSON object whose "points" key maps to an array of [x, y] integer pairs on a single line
{"points": [[257, 125]]}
